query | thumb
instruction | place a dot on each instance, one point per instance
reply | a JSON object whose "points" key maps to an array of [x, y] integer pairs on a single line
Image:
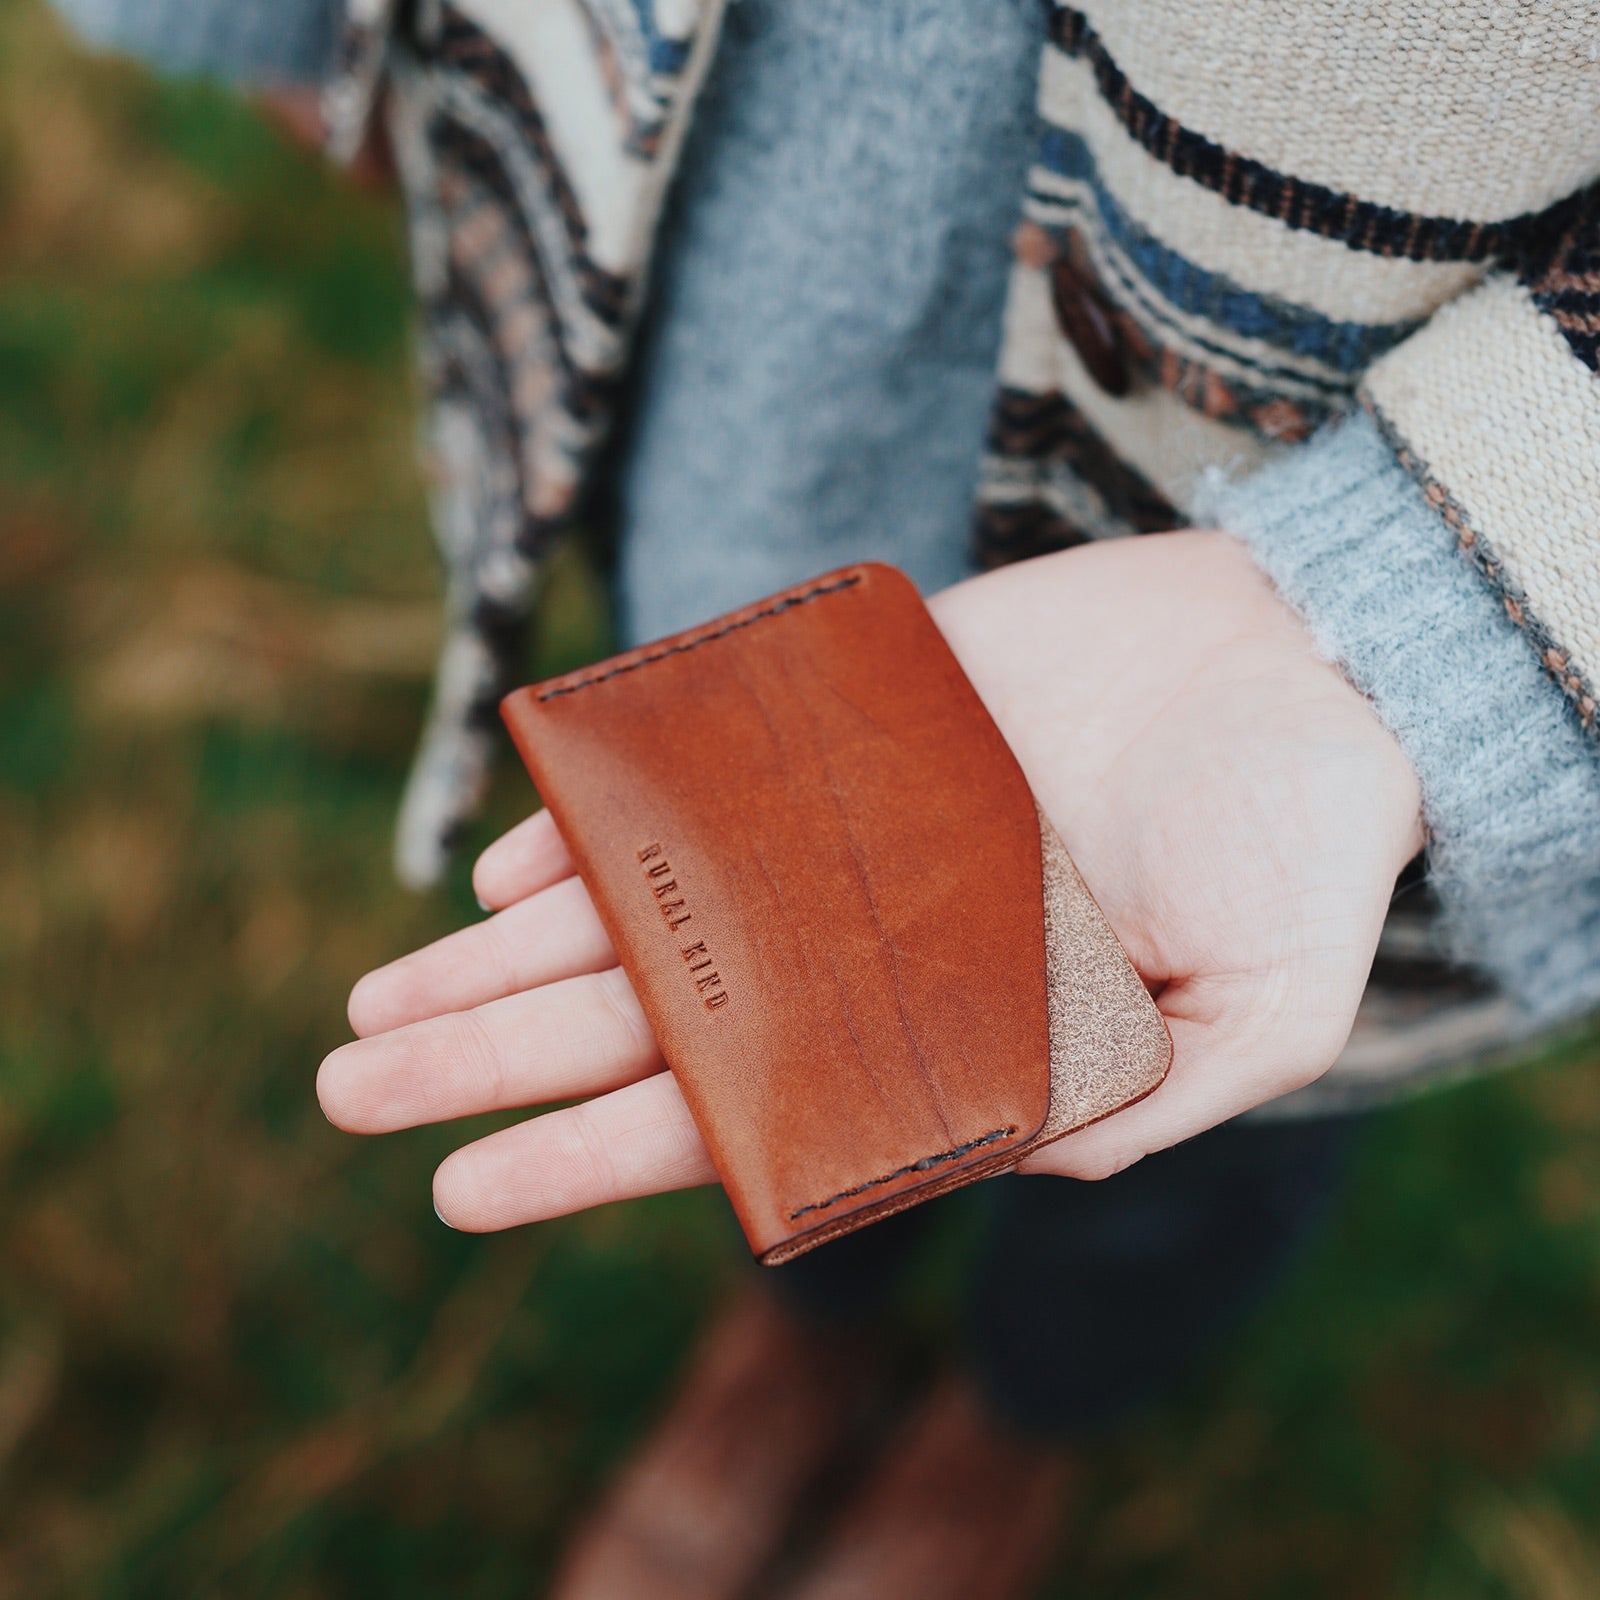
{"points": [[1224, 1064]]}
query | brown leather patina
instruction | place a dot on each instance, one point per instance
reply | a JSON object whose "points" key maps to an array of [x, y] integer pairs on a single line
{"points": [[822, 869]]}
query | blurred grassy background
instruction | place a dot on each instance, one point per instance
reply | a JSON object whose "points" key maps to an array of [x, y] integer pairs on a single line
{"points": [[237, 1353]]}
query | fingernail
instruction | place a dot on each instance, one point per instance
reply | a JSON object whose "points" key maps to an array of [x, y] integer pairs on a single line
{"points": [[441, 1216], [483, 905]]}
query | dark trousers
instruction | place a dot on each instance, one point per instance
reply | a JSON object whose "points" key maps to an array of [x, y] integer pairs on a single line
{"points": [[1085, 1302]]}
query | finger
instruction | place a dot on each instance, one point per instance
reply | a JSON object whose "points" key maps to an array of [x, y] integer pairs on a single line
{"points": [[528, 858], [582, 1036], [635, 1141], [551, 935]]}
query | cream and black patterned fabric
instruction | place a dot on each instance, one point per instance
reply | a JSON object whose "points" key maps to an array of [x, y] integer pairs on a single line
{"points": [[535, 143], [1265, 255]]}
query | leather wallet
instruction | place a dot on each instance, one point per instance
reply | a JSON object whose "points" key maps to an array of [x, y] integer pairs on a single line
{"points": [[866, 955]]}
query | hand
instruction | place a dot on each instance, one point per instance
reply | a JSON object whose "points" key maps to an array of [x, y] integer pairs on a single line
{"points": [[1237, 808]]}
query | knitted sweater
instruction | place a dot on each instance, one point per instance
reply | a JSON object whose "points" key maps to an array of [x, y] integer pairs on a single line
{"points": [[1239, 218]]}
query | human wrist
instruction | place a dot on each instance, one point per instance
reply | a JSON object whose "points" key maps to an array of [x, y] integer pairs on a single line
{"points": [[1272, 636], [1510, 781]]}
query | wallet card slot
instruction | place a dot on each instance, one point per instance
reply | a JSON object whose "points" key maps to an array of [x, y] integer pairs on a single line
{"points": [[1109, 1044]]}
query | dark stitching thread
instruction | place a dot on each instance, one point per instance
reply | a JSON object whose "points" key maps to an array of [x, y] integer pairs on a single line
{"points": [[706, 638], [904, 1172]]}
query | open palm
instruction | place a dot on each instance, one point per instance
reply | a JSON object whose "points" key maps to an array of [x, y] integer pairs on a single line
{"points": [[1237, 809]]}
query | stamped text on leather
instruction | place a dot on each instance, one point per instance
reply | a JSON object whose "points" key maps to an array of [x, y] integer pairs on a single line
{"points": [[675, 912]]}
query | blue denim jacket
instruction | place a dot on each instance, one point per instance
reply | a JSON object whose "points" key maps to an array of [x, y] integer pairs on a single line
{"points": [[252, 41]]}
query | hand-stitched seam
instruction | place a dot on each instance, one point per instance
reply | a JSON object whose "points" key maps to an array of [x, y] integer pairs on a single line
{"points": [[903, 1172], [787, 604]]}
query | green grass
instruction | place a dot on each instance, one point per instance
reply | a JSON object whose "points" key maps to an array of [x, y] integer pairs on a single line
{"points": [[238, 1355]]}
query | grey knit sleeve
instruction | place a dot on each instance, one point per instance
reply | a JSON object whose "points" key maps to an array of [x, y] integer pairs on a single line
{"points": [[251, 41], [1510, 779]]}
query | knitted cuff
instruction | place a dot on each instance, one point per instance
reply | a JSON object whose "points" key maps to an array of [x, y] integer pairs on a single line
{"points": [[1510, 781]]}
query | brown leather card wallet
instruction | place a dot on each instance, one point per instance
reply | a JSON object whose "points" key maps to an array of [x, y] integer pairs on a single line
{"points": [[868, 959]]}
